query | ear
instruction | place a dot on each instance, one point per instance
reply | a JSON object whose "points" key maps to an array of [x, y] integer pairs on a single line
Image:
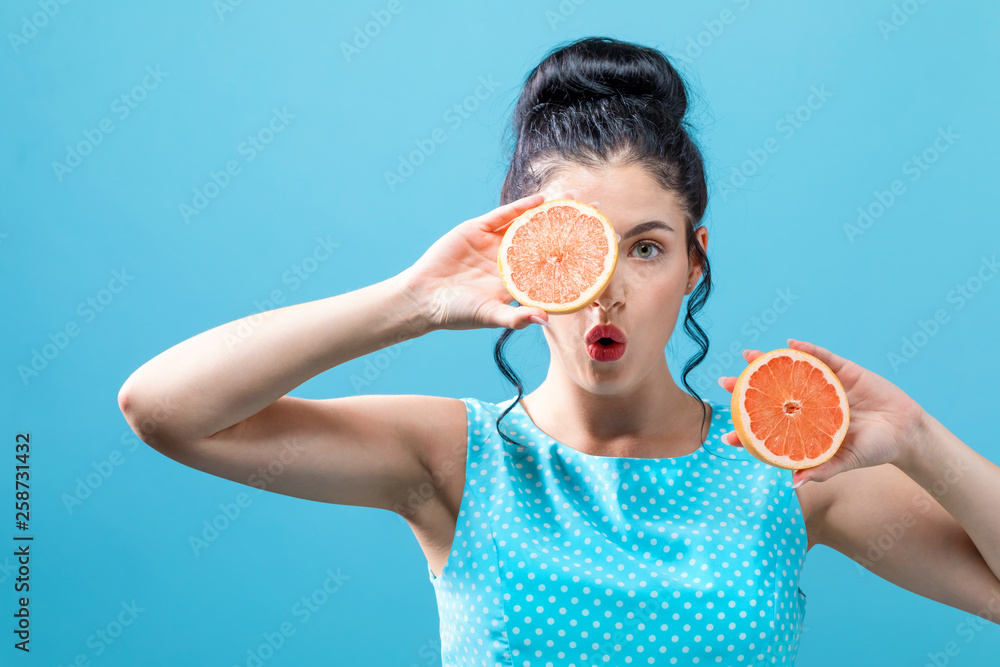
{"points": [[701, 236]]}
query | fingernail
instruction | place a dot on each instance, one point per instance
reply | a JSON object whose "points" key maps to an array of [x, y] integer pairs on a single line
{"points": [[619, 237], [537, 320], [799, 483], [720, 383], [575, 193], [790, 341], [595, 204]]}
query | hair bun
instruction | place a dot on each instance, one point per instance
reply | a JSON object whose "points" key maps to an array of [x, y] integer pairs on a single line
{"points": [[596, 102], [602, 67]]}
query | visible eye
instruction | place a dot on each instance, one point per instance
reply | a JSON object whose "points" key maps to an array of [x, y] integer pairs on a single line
{"points": [[649, 245]]}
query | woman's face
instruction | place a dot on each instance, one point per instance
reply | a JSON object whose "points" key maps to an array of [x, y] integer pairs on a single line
{"points": [[649, 283]]}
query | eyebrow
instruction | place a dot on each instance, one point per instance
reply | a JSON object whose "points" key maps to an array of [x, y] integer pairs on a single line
{"points": [[644, 227]]}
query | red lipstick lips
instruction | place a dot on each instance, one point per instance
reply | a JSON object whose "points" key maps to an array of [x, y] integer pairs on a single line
{"points": [[606, 331], [605, 342]]}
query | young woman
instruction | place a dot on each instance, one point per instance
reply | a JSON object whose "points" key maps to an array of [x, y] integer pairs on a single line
{"points": [[609, 516]]}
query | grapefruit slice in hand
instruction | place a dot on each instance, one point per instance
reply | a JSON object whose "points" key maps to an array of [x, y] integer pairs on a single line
{"points": [[789, 409], [558, 256]]}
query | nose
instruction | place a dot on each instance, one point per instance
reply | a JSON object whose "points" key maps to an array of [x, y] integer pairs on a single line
{"points": [[612, 296]]}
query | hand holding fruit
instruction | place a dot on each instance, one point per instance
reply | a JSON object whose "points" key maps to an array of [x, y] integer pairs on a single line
{"points": [[884, 421], [456, 282]]}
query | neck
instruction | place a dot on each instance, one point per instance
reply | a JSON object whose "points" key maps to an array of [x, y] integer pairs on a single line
{"points": [[651, 419]]}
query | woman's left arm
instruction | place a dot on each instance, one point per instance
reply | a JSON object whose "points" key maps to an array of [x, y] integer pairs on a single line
{"points": [[963, 481], [905, 497]]}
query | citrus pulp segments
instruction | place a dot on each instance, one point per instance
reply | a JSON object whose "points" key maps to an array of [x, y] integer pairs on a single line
{"points": [[587, 292], [742, 420]]}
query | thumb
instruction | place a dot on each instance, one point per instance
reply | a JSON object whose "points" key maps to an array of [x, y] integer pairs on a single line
{"points": [[519, 317], [840, 462]]}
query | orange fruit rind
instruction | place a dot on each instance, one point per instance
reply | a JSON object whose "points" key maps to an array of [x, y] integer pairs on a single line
{"points": [[558, 256], [787, 414]]}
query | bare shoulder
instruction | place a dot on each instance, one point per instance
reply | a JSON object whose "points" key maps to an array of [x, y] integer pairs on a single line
{"points": [[435, 426], [822, 501], [431, 507], [441, 429], [812, 498], [435, 429]]}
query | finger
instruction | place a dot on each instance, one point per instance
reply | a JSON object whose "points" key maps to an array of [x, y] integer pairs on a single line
{"points": [[732, 439], [840, 462], [551, 195], [519, 317], [728, 382], [498, 217], [836, 364]]}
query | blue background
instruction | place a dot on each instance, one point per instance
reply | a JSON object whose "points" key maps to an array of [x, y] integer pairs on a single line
{"points": [[775, 228]]}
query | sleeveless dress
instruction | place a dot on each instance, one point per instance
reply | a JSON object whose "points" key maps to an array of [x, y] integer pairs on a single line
{"points": [[565, 559]]}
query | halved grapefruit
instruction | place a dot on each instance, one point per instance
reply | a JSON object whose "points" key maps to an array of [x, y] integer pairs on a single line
{"points": [[558, 256], [789, 409]]}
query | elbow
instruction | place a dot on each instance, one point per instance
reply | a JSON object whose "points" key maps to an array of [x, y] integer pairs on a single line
{"points": [[125, 400], [147, 416]]}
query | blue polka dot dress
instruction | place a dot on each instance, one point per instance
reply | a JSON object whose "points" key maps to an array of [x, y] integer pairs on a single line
{"points": [[565, 559]]}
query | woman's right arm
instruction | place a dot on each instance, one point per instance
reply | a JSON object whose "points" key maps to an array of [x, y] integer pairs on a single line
{"points": [[218, 401]]}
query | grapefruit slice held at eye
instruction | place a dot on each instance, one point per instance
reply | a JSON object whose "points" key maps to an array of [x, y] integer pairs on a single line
{"points": [[558, 256], [789, 409]]}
